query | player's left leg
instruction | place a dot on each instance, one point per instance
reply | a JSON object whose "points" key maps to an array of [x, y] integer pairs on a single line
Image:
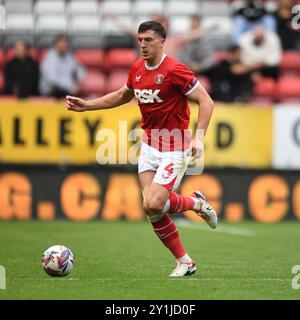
{"points": [[169, 174]]}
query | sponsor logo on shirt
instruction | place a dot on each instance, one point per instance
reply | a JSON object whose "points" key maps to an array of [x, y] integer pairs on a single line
{"points": [[147, 96], [137, 78]]}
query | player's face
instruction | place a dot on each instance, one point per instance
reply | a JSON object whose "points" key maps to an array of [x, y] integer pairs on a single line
{"points": [[151, 44]]}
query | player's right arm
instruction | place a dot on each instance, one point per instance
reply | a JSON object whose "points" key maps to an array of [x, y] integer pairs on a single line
{"points": [[110, 100]]}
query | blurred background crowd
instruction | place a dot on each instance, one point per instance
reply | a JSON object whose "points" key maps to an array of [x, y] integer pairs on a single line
{"points": [[242, 51]]}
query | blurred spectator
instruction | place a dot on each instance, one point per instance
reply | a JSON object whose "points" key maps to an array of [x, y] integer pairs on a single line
{"points": [[250, 15], [21, 73], [61, 74], [198, 50], [290, 38], [230, 78], [263, 48]]}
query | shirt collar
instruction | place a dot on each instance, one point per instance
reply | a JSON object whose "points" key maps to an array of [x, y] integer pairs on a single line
{"points": [[157, 66]]}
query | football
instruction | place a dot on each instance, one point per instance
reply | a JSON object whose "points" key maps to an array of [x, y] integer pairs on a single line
{"points": [[58, 261]]}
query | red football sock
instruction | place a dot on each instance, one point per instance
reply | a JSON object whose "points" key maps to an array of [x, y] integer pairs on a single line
{"points": [[169, 236], [179, 203]]}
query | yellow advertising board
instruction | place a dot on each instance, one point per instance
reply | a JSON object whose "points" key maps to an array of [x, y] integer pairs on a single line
{"points": [[46, 133]]}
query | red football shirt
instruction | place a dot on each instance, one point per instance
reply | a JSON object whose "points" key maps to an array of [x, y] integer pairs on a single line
{"points": [[161, 92]]}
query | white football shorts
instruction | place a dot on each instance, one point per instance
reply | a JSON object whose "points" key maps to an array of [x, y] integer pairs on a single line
{"points": [[169, 166]]}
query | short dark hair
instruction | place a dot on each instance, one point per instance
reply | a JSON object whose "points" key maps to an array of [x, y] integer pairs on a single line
{"points": [[153, 25]]}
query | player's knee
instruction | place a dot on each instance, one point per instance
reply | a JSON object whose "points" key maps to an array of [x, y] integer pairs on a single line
{"points": [[154, 205]]}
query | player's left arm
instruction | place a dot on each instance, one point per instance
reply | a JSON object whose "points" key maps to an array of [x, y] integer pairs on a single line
{"points": [[200, 96]]}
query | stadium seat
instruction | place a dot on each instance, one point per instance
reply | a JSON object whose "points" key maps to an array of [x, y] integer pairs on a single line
{"points": [[290, 62], [219, 25], [45, 7], [271, 6], [1, 58], [52, 23], [19, 22], [118, 41], [92, 59], [108, 27], [120, 58], [18, 6], [236, 5], [84, 24], [179, 24], [116, 7], [83, 7], [182, 7], [1, 81], [93, 84], [139, 7], [139, 19], [215, 8], [116, 80], [288, 89], [265, 89], [91, 41]]}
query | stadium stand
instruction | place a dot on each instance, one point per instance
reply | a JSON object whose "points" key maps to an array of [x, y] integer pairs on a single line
{"points": [[94, 84], [107, 51]]}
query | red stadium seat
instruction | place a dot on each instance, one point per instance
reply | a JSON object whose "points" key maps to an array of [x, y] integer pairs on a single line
{"points": [[120, 58], [1, 58], [116, 80], [92, 59], [1, 81], [265, 88], [93, 84], [290, 62], [288, 88], [10, 54]]}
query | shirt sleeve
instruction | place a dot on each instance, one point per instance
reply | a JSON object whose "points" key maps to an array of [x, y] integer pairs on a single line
{"points": [[184, 79]]}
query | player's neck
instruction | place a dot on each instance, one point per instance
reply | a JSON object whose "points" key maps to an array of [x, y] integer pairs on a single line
{"points": [[156, 61]]}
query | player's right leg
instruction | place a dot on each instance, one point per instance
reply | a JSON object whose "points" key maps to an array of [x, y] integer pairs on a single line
{"points": [[154, 198]]}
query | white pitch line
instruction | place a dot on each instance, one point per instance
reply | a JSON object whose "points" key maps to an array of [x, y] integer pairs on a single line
{"points": [[221, 229], [153, 279]]}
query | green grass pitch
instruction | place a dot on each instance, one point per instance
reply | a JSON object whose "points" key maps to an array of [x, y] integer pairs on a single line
{"points": [[125, 260]]}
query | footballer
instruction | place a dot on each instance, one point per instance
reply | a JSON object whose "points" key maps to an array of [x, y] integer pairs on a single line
{"points": [[163, 87]]}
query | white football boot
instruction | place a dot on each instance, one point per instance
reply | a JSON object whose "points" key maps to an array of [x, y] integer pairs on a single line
{"points": [[184, 269], [206, 211]]}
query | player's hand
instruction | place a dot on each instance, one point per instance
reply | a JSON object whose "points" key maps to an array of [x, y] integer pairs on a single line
{"points": [[196, 149], [76, 104]]}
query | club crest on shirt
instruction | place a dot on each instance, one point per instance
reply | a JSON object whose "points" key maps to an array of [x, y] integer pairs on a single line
{"points": [[159, 79]]}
